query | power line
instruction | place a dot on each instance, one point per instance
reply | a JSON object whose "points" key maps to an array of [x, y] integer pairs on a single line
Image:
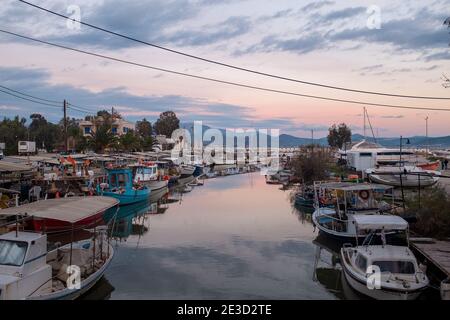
{"points": [[29, 95], [234, 66], [38, 102], [222, 81], [73, 107]]}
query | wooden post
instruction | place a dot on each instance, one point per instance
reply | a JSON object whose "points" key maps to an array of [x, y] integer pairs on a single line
{"points": [[71, 246]]}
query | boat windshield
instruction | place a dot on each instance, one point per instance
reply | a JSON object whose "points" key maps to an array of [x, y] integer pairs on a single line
{"points": [[401, 267], [12, 253]]}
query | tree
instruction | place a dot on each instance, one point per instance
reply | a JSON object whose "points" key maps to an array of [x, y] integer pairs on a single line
{"points": [[167, 123], [312, 167], [339, 135], [44, 133], [144, 128], [11, 131], [101, 138], [129, 141]]}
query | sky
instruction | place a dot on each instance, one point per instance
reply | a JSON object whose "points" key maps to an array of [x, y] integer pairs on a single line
{"points": [[399, 47]]}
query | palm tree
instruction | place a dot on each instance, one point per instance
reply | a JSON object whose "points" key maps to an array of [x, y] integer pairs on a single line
{"points": [[129, 142], [101, 138]]}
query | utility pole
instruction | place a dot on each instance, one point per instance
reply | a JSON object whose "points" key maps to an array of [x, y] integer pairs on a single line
{"points": [[65, 126]]}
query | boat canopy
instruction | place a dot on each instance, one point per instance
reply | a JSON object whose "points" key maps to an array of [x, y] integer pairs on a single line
{"points": [[13, 167], [377, 222], [350, 186], [69, 210]]}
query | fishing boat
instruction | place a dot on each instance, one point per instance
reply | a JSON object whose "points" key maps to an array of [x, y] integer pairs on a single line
{"points": [[51, 215], [338, 204], [406, 176], [120, 185], [187, 170], [304, 198], [147, 173], [30, 269], [385, 272]]}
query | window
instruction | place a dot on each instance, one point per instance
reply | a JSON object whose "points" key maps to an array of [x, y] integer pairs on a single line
{"points": [[122, 179], [114, 130], [125, 129], [12, 253], [405, 267], [87, 130], [361, 262], [365, 154], [112, 180]]}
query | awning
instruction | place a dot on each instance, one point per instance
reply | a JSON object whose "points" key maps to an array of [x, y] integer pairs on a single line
{"points": [[351, 186], [377, 222], [70, 210], [13, 167]]}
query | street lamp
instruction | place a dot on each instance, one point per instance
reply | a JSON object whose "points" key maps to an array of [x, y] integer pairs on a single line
{"points": [[401, 170]]}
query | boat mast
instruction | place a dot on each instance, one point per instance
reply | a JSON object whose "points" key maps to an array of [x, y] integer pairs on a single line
{"points": [[364, 126]]}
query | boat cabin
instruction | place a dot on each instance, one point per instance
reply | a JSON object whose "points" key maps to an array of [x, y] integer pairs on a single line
{"points": [[145, 172], [23, 266], [352, 197]]}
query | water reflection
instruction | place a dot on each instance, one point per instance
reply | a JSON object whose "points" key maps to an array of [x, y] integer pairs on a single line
{"points": [[233, 237]]}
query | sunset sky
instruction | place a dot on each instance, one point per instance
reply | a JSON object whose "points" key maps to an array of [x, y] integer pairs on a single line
{"points": [[319, 41]]}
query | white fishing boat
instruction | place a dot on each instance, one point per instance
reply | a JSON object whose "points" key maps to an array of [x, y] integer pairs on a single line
{"points": [[186, 170], [337, 205], [29, 270], [384, 272], [406, 176], [148, 174]]}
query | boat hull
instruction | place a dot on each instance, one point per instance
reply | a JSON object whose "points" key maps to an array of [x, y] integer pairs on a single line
{"points": [[85, 286], [186, 171], [378, 294], [52, 225], [156, 184], [409, 181], [125, 199]]}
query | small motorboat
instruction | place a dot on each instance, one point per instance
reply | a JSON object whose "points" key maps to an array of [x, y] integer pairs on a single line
{"points": [[30, 271], [60, 214], [120, 185], [406, 176], [385, 272]]}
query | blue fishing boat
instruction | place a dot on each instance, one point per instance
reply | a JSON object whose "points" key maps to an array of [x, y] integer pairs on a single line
{"points": [[120, 185]]}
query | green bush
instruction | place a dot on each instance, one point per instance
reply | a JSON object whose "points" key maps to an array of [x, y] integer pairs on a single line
{"points": [[432, 212]]}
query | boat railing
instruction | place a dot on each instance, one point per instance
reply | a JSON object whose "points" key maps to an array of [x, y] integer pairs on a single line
{"points": [[336, 224]]}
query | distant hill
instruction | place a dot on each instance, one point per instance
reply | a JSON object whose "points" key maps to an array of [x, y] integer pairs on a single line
{"points": [[287, 140]]}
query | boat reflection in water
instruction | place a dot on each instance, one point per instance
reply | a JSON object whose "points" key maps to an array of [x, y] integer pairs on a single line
{"points": [[328, 271], [101, 291], [133, 219]]}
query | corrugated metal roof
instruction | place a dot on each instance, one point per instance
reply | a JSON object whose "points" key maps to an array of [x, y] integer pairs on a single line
{"points": [[71, 209], [13, 167]]}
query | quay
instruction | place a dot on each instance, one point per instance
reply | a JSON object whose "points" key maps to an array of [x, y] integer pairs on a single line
{"points": [[437, 252]]}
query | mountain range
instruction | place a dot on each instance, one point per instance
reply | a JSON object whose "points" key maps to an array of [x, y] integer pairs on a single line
{"points": [[287, 140]]}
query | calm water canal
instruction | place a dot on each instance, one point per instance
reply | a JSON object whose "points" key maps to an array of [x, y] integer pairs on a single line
{"points": [[234, 237]]}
